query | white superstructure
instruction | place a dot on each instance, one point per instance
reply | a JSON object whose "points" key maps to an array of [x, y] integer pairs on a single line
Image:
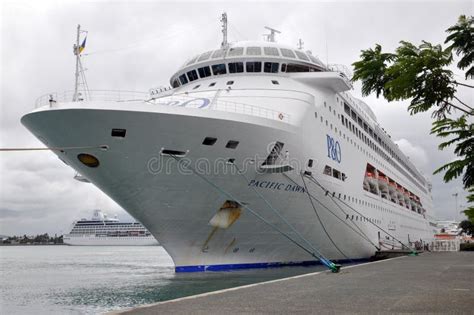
{"points": [[103, 231], [278, 115]]}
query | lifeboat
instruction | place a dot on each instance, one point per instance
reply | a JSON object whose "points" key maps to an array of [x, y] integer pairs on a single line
{"points": [[400, 195], [392, 188], [407, 200], [372, 182], [383, 186]]}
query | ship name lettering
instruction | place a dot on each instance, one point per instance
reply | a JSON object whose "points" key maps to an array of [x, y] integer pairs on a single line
{"points": [[276, 186]]}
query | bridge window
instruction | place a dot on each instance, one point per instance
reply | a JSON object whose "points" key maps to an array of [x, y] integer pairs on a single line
{"points": [[183, 79], [314, 59], [191, 61], [253, 66], [254, 51], [296, 68], [236, 67], [219, 69], [270, 51], [218, 54], [301, 55], [175, 83], [287, 53], [283, 67], [236, 51], [205, 56], [192, 75], [270, 67], [204, 72]]}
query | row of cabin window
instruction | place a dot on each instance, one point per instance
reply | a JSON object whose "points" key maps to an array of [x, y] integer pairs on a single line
{"points": [[373, 134], [238, 67], [366, 140]]}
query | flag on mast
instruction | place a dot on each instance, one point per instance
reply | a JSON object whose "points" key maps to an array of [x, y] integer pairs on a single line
{"points": [[83, 45]]}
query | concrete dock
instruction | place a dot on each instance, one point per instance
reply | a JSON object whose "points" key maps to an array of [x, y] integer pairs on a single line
{"points": [[429, 283]]}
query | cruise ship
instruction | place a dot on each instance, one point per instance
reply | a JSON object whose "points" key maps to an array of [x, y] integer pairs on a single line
{"points": [[257, 155], [104, 231]]}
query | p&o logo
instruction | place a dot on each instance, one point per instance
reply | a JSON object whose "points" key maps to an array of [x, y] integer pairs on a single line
{"points": [[334, 149]]}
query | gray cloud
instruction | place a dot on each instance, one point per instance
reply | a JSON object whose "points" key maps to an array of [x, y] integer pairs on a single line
{"points": [[137, 45]]}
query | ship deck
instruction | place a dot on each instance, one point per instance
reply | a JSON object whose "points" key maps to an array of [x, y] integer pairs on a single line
{"points": [[429, 283]]}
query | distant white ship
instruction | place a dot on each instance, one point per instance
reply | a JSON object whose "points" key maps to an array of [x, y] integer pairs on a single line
{"points": [[101, 230]]}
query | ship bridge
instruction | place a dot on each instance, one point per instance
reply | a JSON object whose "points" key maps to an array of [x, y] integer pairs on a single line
{"points": [[247, 58]]}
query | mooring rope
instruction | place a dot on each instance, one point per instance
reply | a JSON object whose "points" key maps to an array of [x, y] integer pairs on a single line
{"points": [[319, 219], [102, 147], [361, 233], [332, 266], [414, 252], [276, 211]]}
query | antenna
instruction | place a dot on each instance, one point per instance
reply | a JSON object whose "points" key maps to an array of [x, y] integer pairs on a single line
{"points": [[224, 43], [300, 44], [271, 37]]}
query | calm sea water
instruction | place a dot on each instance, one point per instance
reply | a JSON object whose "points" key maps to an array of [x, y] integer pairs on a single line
{"points": [[89, 279]]}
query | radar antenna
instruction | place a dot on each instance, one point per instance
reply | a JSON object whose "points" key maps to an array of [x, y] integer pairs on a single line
{"points": [[271, 37], [224, 43], [300, 44]]}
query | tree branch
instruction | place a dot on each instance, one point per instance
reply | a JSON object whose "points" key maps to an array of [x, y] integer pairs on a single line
{"points": [[463, 84], [462, 110], [463, 103]]}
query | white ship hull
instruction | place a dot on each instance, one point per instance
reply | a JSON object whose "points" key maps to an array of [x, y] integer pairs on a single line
{"points": [[109, 241], [177, 206]]}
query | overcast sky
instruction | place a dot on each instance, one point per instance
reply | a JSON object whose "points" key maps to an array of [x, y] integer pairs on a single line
{"points": [[138, 45]]}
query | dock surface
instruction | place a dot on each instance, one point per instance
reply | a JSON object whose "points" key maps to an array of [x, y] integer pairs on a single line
{"points": [[429, 283]]}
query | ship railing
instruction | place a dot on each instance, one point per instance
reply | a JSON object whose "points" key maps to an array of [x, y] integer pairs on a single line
{"points": [[92, 95], [251, 110], [226, 106], [175, 100]]}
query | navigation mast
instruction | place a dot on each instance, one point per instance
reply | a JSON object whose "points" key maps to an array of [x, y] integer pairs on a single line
{"points": [[224, 43], [79, 75]]}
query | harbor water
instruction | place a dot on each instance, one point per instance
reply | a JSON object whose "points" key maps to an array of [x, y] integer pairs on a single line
{"points": [[96, 279]]}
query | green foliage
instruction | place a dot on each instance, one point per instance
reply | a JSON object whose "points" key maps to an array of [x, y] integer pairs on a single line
{"points": [[467, 227], [371, 70], [467, 247], [461, 134], [462, 42], [421, 74], [416, 73]]}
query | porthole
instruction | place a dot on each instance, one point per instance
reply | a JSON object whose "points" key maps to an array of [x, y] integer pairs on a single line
{"points": [[88, 160]]}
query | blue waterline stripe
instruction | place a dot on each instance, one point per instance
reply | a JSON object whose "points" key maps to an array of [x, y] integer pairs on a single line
{"points": [[224, 267]]}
